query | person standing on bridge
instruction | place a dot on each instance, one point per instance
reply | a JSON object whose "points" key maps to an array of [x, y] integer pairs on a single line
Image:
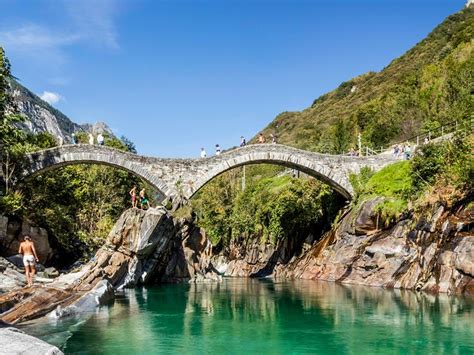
{"points": [[143, 199], [407, 151], [100, 139], [73, 139], [203, 153], [133, 194], [91, 139], [243, 142], [218, 149], [27, 249], [274, 138], [261, 138]]}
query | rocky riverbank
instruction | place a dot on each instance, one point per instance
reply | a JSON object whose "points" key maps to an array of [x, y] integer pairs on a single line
{"points": [[432, 251], [143, 247]]}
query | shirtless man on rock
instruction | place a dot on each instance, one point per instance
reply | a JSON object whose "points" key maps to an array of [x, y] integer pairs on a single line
{"points": [[27, 249]]}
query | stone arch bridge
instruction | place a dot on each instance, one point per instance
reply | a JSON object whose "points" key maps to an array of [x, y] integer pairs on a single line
{"points": [[180, 179]]}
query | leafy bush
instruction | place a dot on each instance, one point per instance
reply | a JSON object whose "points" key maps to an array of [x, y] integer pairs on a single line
{"points": [[426, 164], [392, 181]]}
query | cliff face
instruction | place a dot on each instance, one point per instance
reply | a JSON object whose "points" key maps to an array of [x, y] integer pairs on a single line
{"points": [[433, 252], [42, 117]]}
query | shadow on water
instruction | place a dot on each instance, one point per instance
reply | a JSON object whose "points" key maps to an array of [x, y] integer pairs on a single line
{"points": [[278, 317]]}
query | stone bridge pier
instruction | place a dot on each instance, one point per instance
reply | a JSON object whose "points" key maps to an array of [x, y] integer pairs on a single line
{"points": [[180, 179]]}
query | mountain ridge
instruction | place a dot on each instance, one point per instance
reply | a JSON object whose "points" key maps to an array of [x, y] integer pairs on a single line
{"points": [[40, 116]]}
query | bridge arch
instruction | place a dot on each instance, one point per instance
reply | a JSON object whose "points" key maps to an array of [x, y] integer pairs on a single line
{"points": [[180, 179], [53, 158], [330, 169]]}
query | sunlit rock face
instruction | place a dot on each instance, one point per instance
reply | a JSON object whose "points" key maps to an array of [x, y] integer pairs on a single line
{"points": [[40, 116], [190, 256], [14, 341], [137, 249], [434, 253]]}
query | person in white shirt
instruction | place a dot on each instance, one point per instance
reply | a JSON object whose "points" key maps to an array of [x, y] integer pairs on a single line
{"points": [[100, 139], [203, 153], [218, 149], [91, 139]]}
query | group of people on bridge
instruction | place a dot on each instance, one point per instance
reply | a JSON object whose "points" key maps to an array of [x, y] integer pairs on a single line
{"points": [[91, 139], [405, 151], [261, 139]]}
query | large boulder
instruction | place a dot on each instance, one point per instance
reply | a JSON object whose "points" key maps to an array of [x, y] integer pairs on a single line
{"points": [[10, 276], [137, 249]]}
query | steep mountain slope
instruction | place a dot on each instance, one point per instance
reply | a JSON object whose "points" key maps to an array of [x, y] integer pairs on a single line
{"points": [[432, 83], [42, 117]]}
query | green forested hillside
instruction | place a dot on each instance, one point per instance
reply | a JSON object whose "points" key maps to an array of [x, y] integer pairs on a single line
{"points": [[431, 84]]}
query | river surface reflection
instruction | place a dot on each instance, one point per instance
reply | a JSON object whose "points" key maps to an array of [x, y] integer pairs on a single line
{"points": [[269, 317]]}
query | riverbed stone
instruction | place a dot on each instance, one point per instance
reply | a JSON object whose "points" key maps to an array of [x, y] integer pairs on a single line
{"points": [[14, 341]]}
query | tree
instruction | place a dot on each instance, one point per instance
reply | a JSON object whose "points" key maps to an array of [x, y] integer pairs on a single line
{"points": [[11, 137]]}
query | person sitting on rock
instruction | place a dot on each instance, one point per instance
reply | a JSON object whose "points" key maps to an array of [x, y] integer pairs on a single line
{"points": [[143, 199], [27, 249]]}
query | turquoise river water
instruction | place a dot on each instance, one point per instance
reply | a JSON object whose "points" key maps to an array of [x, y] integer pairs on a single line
{"points": [[248, 316]]}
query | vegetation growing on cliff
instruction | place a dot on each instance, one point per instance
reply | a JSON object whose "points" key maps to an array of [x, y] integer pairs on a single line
{"points": [[445, 170]]}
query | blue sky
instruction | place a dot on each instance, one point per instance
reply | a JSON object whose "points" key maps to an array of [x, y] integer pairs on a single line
{"points": [[176, 75]]}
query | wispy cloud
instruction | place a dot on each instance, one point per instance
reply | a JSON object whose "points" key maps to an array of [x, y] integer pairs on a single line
{"points": [[88, 22], [34, 36], [95, 20], [50, 97]]}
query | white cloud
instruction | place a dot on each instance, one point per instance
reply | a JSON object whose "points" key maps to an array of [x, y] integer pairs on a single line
{"points": [[50, 97]]}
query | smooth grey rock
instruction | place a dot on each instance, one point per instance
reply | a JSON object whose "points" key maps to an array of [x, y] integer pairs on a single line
{"points": [[101, 294], [13, 341], [51, 272]]}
